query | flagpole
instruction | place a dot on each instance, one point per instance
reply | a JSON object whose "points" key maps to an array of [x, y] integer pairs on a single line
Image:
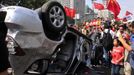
{"points": [[93, 7]]}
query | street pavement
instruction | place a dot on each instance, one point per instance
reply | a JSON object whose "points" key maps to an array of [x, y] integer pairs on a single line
{"points": [[101, 70]]}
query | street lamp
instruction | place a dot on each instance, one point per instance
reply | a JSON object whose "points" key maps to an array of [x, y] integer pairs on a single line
{"points": [[93, 7]]}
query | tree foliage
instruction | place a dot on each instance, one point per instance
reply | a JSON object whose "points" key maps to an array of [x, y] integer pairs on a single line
{"points": [[33, 4]]}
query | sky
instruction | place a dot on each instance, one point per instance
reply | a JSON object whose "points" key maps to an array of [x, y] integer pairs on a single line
{"points": [[126, 5]]}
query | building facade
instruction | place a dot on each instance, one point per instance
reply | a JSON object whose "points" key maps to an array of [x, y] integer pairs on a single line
{"points": [[90, 14]]}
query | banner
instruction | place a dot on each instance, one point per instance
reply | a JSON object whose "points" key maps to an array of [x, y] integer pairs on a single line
{"points": [[128, 13]]}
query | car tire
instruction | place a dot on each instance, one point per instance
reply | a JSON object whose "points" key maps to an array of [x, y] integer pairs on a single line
{"points": [[44, 67], [53, 16]]}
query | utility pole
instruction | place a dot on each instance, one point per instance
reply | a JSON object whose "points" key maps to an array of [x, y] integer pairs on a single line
{"points": [[93, 8], [105, 3]]}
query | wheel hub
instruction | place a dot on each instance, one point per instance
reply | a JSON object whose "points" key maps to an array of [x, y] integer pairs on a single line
{"points": [[57, 16]]}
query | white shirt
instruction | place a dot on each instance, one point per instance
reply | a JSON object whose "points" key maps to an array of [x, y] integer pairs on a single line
{"points": [[111, 32]]}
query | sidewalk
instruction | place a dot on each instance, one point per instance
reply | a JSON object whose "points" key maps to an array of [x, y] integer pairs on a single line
{"points": [[104, 71]]}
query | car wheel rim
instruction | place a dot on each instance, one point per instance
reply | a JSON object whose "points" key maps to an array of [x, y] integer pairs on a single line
{"points": [[57, 16]]}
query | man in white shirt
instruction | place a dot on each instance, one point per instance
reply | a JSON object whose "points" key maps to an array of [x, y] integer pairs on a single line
{"points": [[107, 29], [111, 32]]}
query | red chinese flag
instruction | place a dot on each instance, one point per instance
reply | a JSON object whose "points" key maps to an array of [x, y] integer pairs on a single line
{"points": [[128, 13], [114, 7], [98, 6], [67, 11], [72, 13]]}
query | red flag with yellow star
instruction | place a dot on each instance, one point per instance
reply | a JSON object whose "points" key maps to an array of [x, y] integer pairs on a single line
{"points": [[114, 7], [70, 12], [67, 10], [98, 6]]}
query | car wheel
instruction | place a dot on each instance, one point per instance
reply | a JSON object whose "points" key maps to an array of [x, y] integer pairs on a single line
{"points": [[53, 16], [44, 67]]}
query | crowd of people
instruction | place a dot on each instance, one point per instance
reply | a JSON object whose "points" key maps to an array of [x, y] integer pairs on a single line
{"points": [[115, 50]]}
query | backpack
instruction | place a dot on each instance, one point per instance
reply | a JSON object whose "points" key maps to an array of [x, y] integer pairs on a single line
{"points": [[107, 40]]}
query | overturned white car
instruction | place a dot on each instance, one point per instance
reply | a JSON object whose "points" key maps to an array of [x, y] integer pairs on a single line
{"points": [[39, 41]]}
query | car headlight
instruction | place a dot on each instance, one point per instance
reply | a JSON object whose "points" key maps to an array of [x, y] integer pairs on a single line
{"points": [[13, 47]]}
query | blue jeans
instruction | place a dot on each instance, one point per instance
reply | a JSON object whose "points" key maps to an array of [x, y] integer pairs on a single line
{"points": [[115, 70], [106, 57]]}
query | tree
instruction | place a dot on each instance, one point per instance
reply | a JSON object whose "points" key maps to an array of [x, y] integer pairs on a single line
{"points": [[33, 4]]}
